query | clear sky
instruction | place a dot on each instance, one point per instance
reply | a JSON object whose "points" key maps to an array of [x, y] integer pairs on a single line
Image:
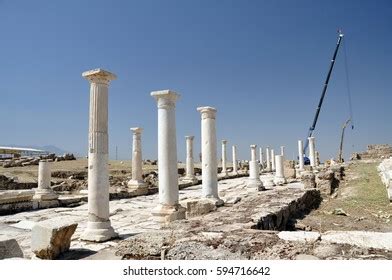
{"points": [[262, 64]]}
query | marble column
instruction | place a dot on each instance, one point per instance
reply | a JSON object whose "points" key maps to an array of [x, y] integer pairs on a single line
{"points": [[273, 166], [254, 171], [44, 192], [312, 152], [301, 155], [235, 167], [137, 183], [279, 174], [98, 227], [282, 150], [168, 208], [268, 158], [209, 157], [190, 173], [224, 169]]}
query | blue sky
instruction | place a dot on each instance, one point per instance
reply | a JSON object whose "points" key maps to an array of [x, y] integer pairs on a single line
{"points": [[262, 64]]}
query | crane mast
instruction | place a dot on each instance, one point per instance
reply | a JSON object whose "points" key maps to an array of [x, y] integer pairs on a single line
{"points": [[311, 129]]}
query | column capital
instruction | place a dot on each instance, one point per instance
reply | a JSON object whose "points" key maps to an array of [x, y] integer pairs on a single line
{"points": [[224, 142], [99, 76], [189, 137], [207, 112], [136, 130], [165, 98], [311, 138], [253, 146]]}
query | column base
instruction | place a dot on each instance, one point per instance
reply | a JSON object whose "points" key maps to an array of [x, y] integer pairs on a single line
{"points": [[269, 182], [216, 200], [168, 213], [98, 232], [280, 181], [45, 195], [255, 183], [139, 186]]}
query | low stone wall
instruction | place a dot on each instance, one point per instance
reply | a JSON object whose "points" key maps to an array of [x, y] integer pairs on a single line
{"points": [[385, 170]]}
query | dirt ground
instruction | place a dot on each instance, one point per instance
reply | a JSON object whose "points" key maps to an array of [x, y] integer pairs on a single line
{"points": [[363, 199]]}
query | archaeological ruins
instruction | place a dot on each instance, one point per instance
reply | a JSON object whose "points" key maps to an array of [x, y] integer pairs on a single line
{"points": [[223, 207]]}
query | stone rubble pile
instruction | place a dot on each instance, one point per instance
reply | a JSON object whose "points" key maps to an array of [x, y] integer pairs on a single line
{"points": [[27, 161], [374, 152]]}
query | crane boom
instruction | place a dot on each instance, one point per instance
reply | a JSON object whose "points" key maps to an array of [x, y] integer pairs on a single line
{"points": [[311, 129]]}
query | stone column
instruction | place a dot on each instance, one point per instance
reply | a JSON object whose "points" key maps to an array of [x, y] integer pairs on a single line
{"points": [[44, 192], [168, 209], [209, 158], [268, 157], [190, 173], [137, 183], [224, 170], [235, 168], [282, 150], [301, 155], [98, 226], [273, 166], [261, 158], [312, 152], [279, 174], [254, 172]]}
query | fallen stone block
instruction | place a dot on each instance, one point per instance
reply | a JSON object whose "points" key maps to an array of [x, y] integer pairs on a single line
{"points": [[9, 248], [199, 207], [299, 236], [52, 237]]}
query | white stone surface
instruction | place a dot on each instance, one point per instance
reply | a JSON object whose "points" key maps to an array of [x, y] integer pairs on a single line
{"points": [[98, 227], [137, 183], [365, 239], [254, 171], [261, 158], [279, 174], [299, 236], [168, 208], [282, 150], [312, 152], [190, 170], [301, 155], [209, 157], [224, 169], [385, 171]]}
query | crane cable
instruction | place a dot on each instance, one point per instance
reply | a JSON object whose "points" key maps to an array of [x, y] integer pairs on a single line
{"points": [[348, 85]]}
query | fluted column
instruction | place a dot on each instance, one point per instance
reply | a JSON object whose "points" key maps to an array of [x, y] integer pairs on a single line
{"points": [[312, 152], [224, 168], [268, 158], [137, 183], [301, 155], [98, 227], [190, 173], [234, 153], [254, 171], [168, 209], [209, 157], [279, 174], [44, 192]]}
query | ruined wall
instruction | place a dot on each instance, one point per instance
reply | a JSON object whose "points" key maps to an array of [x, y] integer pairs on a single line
{"points": [[374, 152]]}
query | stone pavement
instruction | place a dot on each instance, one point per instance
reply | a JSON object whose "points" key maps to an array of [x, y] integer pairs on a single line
{"points": [[132, 216]]}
